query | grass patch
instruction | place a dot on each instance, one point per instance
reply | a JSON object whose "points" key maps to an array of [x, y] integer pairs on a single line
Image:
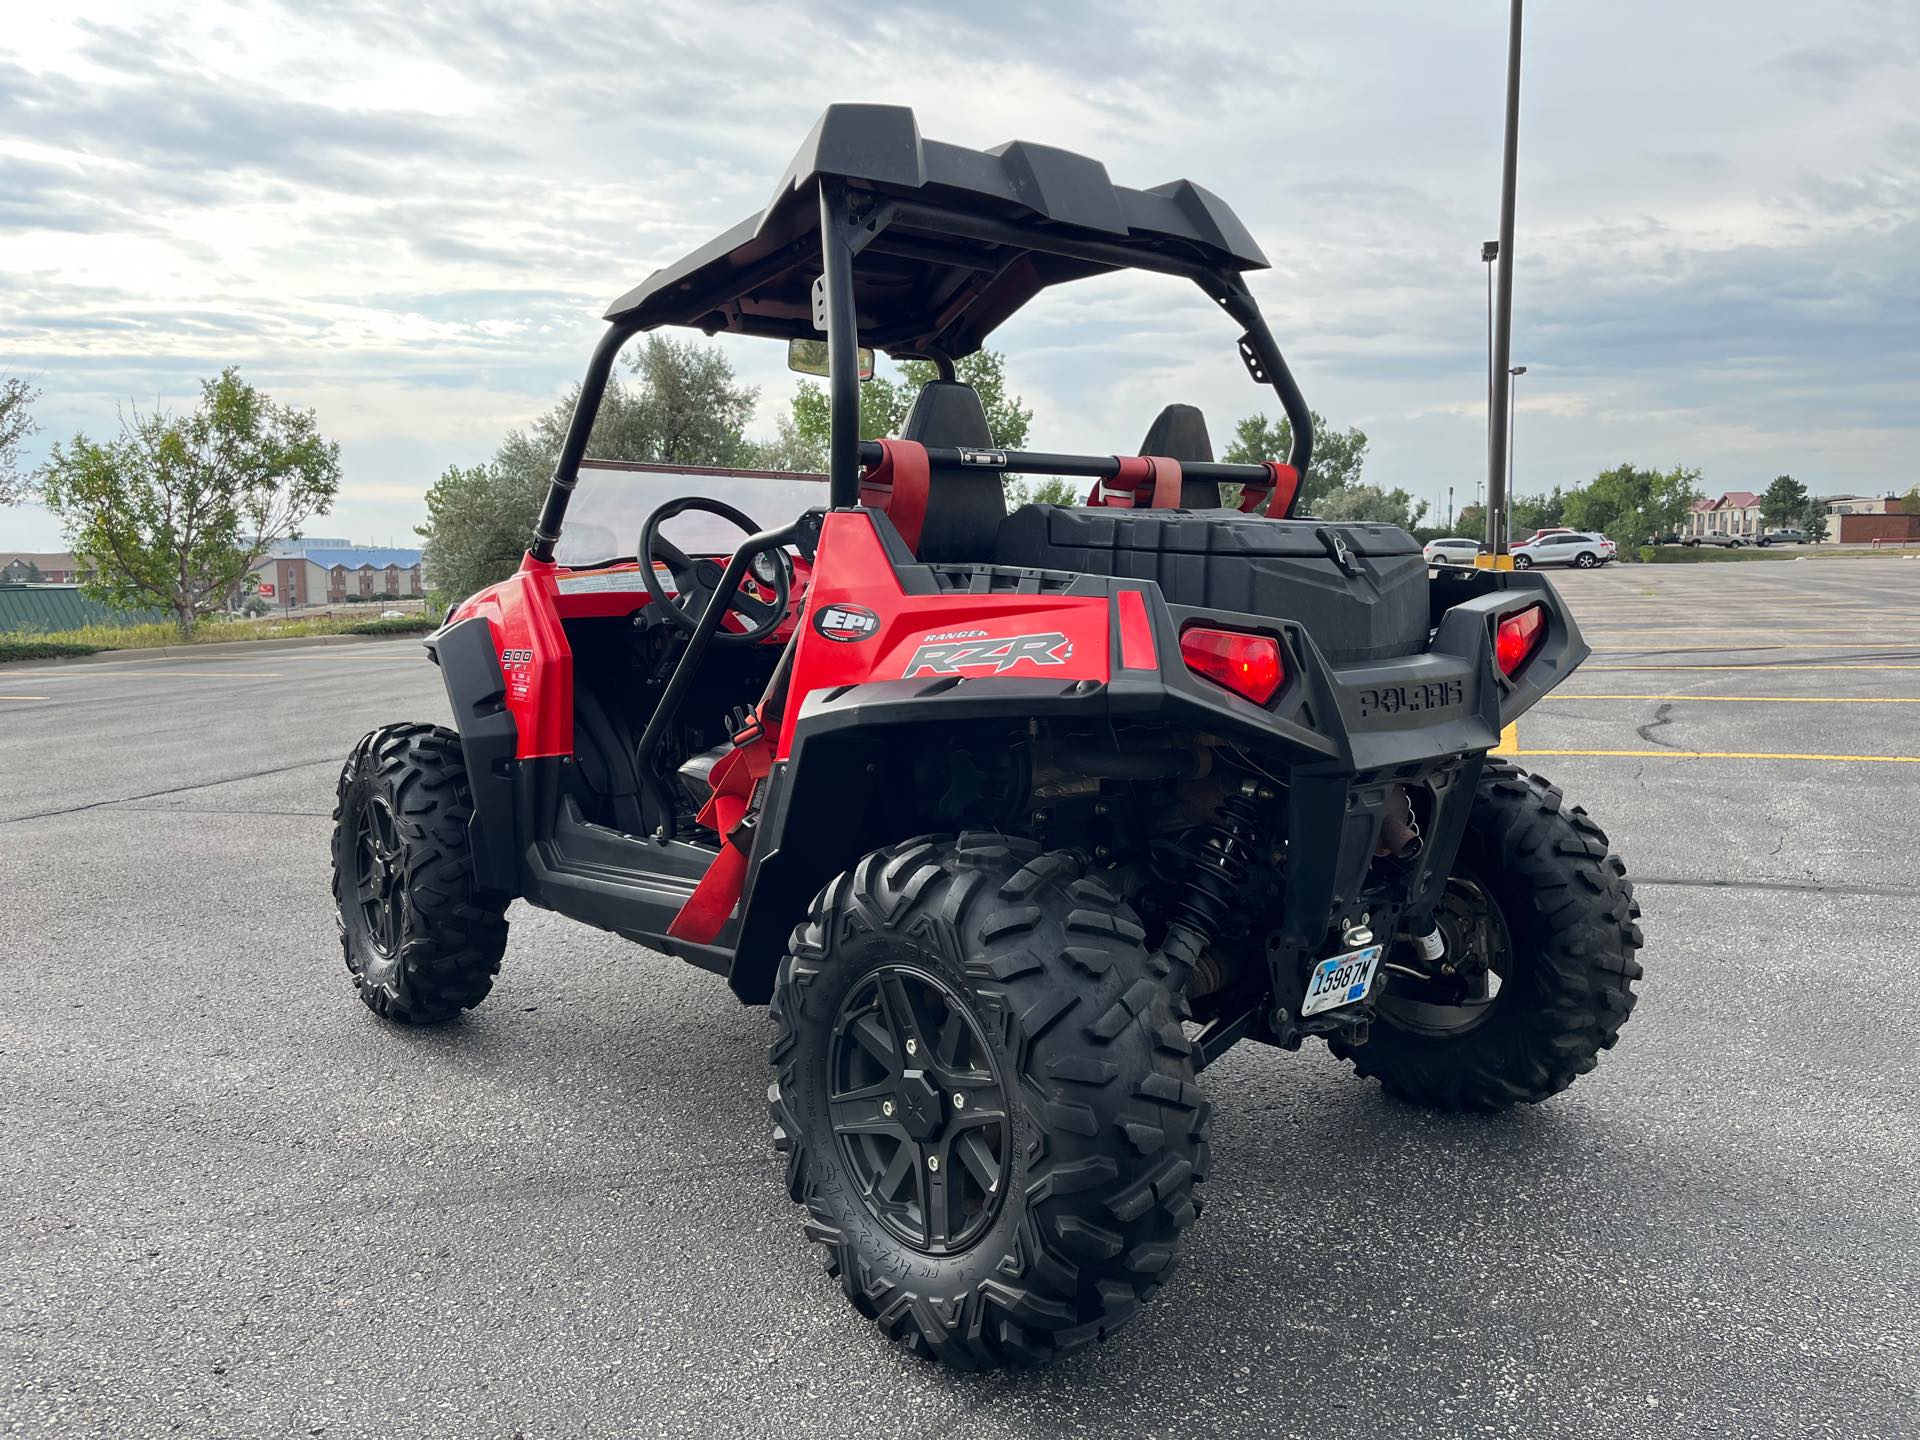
{"points": [[17, 648], [91, 639], [1711, 554]]}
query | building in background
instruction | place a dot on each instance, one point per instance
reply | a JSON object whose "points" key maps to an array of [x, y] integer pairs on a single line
{"points": [[1876, 527], [340, 576], [1735, 513], [38, 567], [1838, 505]]}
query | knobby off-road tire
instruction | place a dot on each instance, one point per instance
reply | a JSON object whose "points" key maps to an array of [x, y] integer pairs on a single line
{"points": [[423, 941], [1569, 914], [1107, 1131]]}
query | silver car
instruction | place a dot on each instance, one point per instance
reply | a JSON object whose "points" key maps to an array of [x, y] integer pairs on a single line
{"points": [[1453, 550]]}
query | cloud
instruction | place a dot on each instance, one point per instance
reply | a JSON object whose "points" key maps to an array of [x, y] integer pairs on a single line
{"points": [[411, 216]]}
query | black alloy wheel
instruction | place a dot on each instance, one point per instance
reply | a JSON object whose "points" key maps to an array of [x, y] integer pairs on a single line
{"points": [[1479, 954], [1540, 930], [919, 1109], [379, 882], [422, 938]]}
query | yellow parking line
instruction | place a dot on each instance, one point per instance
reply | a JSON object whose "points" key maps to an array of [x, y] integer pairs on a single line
{"points": [[1509, 741], [1725, 755], [23, 697], [1757, 699]]}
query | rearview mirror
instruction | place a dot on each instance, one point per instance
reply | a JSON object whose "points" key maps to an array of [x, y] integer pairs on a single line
{"points": [[809, 357]]}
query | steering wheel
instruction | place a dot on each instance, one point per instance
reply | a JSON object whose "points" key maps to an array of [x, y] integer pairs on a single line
{"points": [[697, 580]]}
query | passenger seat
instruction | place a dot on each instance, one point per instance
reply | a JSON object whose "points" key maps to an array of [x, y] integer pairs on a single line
{"points": [[1179, 432], [964, 506]]}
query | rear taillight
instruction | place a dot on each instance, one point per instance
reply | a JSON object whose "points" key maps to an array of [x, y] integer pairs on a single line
{"points": [[1519, 636], [1248, 665]]}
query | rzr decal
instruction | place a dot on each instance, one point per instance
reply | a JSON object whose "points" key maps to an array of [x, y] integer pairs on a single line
{"points": [[846, 622], [996, 656]]}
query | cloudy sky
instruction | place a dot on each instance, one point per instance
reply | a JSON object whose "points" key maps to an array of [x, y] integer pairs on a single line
{"points": [[409, 217]]}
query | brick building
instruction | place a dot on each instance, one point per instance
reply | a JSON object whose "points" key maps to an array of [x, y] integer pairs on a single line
{"points": [[333, 577], [41, 567]]}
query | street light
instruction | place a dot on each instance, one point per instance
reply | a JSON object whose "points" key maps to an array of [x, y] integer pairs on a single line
{"points": [[1513, 374], [1489, 252]]}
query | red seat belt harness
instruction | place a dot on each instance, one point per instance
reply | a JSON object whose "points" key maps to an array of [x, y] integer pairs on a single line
{"points": [[898, 487], [1140, 482], [1274, 499]]}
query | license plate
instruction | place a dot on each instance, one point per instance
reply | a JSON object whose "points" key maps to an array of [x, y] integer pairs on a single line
{"points": [[1341, 980]]}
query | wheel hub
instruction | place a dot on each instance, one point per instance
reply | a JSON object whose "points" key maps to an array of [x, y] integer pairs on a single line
{"points": [[379, 876], [922, 1114], [919, 1108]]}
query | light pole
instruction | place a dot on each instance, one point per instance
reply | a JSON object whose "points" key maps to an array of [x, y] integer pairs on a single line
{"points": [[1497, 501], [1514, 372], [1449, 508], [1489, 252]]}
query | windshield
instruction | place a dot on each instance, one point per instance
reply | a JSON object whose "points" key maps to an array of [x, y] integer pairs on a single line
{"points": [[615, 497]]}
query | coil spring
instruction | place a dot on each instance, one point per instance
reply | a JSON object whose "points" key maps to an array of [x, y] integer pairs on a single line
{"points": [[1215, 860]]}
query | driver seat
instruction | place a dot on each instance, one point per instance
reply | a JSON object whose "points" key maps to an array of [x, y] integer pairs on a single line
{"points": [[964, 506]]}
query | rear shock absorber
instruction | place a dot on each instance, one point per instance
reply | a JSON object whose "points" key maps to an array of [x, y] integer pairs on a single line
{"points": [[1211, 864]]}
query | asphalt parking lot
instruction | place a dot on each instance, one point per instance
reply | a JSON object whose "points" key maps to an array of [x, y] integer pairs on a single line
{"points": [[235, 1203]]}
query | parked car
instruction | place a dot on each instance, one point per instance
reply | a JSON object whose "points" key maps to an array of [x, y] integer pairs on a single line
{"points": [[1452, 550], [1726, 541], [1666, 537], [1546, 530], [1572, 547], [1786, 535]]}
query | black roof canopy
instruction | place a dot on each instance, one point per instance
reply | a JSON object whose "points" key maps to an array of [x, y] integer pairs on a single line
{"points": [[960, 239]]}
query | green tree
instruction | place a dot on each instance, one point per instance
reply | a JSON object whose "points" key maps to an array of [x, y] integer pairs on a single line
{"points": [[1338, 456], [1630, 504], [1910, 502], [1537, 512], [176, 510], [1371, 502], [684, 406], [1784, 502], [1471, 521], [1813, 517], [480, 519], [16, 424]]}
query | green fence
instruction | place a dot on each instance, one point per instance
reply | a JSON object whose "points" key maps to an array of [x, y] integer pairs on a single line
{"points": [[39, 608]]}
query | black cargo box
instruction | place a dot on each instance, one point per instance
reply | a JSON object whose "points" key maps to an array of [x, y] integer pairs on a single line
{"points": [[1370, 606]]}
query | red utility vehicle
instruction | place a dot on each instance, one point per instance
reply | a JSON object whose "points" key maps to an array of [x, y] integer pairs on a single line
{"points": [[1017, 820]]}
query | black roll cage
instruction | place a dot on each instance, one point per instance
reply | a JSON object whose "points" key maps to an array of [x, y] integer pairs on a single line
{"points": [[853, 220]]}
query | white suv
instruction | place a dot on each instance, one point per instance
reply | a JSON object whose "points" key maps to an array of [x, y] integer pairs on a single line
{"points": [[1452, 550], [1587, 552]]}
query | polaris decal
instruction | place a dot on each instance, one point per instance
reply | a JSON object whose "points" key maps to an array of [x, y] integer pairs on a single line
{"points": [[994, 655], [846, 623]]}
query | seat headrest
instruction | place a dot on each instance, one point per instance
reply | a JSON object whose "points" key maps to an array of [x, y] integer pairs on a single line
{"points": [[947, 412], [1179, 432]]}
